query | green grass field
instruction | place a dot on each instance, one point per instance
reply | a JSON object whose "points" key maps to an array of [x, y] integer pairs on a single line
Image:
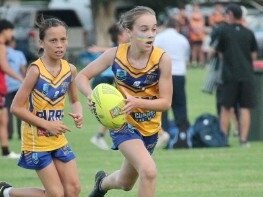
{"points": [[226, 172]]}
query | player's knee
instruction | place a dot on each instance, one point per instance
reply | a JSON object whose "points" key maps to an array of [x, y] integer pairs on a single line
{"points": [[148, 172], [55, 192], [73, 190]]}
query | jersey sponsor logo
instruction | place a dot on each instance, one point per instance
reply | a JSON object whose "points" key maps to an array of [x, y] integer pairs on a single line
{"points": [[136, 84], [121, 74], [43, 132], [56, 94], [35, 158], [143, 117], [64, 87], [45, 88], [150, 78], [51, 115]]}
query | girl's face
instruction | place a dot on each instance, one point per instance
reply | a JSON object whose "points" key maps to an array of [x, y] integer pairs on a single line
{"points": [[55, 42], [144, 31]]}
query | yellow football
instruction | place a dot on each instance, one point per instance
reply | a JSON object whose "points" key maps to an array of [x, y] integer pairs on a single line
{"points": [[106, 104]]}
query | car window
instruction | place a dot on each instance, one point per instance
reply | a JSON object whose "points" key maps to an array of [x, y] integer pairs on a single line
{"points": [[68, 16], [22, 19], [255, 22]]}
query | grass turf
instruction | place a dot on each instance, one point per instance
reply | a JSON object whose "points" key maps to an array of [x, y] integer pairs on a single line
{"points": [[228, 172]]}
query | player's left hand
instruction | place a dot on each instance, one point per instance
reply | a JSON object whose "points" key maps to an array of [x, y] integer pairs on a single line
{"points": [[131, 103], [78, 119]]}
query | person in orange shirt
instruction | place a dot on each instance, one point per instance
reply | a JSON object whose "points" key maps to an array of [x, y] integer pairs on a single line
{"points": [[196, 35]]}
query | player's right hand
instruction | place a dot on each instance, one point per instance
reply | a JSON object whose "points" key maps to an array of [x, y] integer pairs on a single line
{"points": [[57, 127]]}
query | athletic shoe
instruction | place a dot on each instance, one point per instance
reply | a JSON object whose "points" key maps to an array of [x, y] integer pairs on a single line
{"points": [[245, 144], [97, 191], [3, 186], [162, 140], [99, 142], [12, 155]]}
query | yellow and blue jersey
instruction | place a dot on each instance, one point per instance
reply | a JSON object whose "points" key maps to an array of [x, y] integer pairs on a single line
{"points": [[47, 101], [140, 83]]}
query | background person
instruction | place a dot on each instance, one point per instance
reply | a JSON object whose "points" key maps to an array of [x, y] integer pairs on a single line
{"points": [[196, 35], [17, 61], [238, 47], [6, 34], [178, 48]]}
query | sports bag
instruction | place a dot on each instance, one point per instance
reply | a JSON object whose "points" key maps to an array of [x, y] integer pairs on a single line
{"points": [[206, 132]]}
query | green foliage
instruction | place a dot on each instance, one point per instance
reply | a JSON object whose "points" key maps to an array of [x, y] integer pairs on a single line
{"points": [[228, 172]]}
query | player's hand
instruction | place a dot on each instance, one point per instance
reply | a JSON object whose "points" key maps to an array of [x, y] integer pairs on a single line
{"points": [[56, 128], [78, 119], [131, 103]]}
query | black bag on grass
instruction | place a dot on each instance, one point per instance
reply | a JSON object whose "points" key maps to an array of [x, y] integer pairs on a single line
{"points": [[206, 132]]}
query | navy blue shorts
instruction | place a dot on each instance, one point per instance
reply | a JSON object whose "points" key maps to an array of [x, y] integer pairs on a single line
{"points": [[128, 132], [241, 93], [40, 160]]}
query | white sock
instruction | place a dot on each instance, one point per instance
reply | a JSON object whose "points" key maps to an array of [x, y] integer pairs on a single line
{"points": [[7, 191]]}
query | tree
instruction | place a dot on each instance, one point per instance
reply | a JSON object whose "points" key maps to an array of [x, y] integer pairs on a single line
{"points": [[104, 12], [103, 16]]}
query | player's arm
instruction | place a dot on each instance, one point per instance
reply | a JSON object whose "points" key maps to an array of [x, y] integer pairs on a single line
{"points": [[4, 65], [76, 106], [165, 91], [93, 69], [19, 108]]}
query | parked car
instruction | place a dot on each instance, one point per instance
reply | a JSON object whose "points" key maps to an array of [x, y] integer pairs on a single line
{"points": [[26, 32]]}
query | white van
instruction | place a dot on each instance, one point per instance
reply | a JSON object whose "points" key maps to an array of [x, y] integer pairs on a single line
{"points": [[26, 32], [83, 10]]}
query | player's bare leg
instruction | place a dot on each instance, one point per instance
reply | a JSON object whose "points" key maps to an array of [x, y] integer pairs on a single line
{"points": [[138, 164]]}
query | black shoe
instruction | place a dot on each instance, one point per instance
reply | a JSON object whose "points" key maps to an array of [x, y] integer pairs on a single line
{"points": [[3, 186], [97, 192]]}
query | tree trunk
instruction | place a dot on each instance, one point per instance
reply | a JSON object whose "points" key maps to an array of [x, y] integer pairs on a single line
{"points": [[103, 14]]}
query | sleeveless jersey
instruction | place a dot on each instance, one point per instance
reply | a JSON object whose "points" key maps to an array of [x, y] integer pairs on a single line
{"points": [[140, 83], [47, 101]]}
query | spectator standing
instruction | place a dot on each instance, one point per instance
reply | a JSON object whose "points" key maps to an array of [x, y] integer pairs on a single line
{"points": [[178, 48], [6, 33], [196, 35], [183, 22], [238, 47], [17, 61]]}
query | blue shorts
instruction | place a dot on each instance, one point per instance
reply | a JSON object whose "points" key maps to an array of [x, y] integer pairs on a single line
{"points": [[40, 160], [128, 132]]}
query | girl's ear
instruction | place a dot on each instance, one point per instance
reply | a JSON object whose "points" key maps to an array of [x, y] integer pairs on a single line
{"points": [[40, 42], [128, 32]]}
